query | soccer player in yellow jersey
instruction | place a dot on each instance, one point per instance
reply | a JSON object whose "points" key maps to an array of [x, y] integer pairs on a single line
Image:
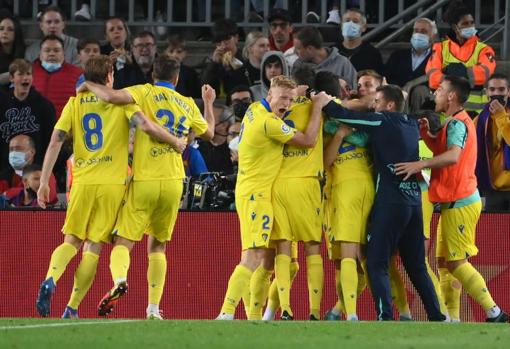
{"points": [[263, 135], [154, 194], [100, 145]]}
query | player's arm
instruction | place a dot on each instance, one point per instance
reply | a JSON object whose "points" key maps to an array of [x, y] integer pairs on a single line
{"points": [[331, 150], [106, 93], [157, 132], [449, 157], [57, 139], [208, 96], [308, 139]]}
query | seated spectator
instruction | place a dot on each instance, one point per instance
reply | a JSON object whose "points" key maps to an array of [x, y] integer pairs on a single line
{"points": [[361, 54], [87, 48], [117, 42], [280, 38], [21, 154], [52, 22], [12, 45], [188, 84], [28, 196], [239, 100], [406, 67], [23, 110], [225, 68], [308, 44], [273, 64], [140, 70], [194, 163], [255, 45], [54, 78], [493, 135], [216, 152]]}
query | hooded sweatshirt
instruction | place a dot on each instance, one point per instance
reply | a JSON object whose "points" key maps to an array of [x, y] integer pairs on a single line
{"points": [[260, 90]]}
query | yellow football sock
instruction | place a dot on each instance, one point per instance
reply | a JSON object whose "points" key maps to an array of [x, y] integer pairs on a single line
{"points": [[273, 301], [238, 283], [315, 277], [398, 290], [282, 271], [294, 268], [60, 258], [451, 290], [156, 274], [259, 285], [246, 296], [119, 263], [435, 282], [349, 281], [83, 277], [339, 306], [474, 284]]}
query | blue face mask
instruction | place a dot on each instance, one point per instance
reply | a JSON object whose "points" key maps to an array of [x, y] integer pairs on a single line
{"points": [[467, 33], [351, 30], [420, 41], [51, 67], [17, 159]]}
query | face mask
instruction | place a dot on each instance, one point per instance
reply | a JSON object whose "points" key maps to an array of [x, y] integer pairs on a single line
{"points": [[501, 99], [234, 144], [240, 109], [467, 33], [51, 67], [17, 159], [420, 41], [351, 30]]}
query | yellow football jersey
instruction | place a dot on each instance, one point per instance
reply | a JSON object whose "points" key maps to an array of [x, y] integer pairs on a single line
{"points": [[261, 142], [352, 162], [153, 160], [301, 162], [100, 138]]}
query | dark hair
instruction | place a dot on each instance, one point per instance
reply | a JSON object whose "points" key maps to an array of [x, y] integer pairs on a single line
{"points": [[52, 8], [176, 41], [223, 29], [361, 13], [235, 89], [455, 11], [144, 34], [310, 36], [499, 76], [271, 59], [84, 42], [328, 82], [304, 75], [460, 86], [166, 68], [97, 69], [52, 37], [28, 169], [18, 48], [126, 28], [393, 93]]}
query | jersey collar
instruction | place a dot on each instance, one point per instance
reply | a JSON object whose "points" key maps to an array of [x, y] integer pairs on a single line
{"points": [[165, 84], [266, 105]]}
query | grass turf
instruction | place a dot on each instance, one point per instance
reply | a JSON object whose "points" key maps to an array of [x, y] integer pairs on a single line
{"points": [[88, 333]]}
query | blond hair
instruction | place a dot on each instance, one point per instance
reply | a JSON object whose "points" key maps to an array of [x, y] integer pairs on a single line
{"points": [[251, 39], [283, 82]]}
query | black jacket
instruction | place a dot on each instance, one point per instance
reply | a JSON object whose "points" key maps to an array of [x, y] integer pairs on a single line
{"points": [[399, 68]]}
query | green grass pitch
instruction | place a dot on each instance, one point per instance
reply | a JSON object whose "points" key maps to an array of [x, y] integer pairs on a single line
{"points": [[87, 333]]}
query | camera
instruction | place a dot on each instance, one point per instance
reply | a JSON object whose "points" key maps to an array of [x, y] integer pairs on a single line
{"points": [[209, 191]]}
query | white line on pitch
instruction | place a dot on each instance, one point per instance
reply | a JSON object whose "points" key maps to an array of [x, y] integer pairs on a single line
{"points": [[65, 324]]}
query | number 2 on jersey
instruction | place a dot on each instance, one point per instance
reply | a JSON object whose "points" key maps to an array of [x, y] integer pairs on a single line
{"points": [[93, 137]]}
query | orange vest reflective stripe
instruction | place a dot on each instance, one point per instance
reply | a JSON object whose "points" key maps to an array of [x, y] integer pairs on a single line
{"points": [[449, 57], [458, 181]]}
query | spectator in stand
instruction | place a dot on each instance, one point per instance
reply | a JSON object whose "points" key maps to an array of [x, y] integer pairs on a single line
{"points": [[493, 138], [31, 180], [12, 45], [52, 22], [194, 163], [216, 152], [361, 54], [21, 154], [188, 84], [54, 78], [140, 70], [462, 54], [88, 48], [280, 38], [233, 143], [406, 67], [273, 64], [117, 42], [225, 68], [239, 100], [308, 44], [255, 45], [23, 111]]}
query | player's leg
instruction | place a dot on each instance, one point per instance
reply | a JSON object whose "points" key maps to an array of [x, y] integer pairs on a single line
{"points": [[349, 277], [315, 277], [156, 275], [260, 283], [435, 280], [282, 274], [398, 291]]}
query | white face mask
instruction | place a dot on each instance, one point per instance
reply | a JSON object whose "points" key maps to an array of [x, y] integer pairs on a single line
{"points": [[17, 160], [420, 41], [468, 32], [51, 67], [351, 30], [234, 144]]}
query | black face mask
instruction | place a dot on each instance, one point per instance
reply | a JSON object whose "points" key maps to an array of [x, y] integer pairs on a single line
{"points": [[240, 109], [31, 193], [500, 98]]}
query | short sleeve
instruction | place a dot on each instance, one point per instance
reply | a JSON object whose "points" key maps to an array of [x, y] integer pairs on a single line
{"points": [[456, 133], [138, 92], [64, 123], [130, 109], [277, 130]]}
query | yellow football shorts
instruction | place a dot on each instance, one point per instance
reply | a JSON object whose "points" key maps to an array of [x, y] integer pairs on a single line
{"points": [[297, 208], [456, 232], [256, 221], [427, 210], [150, 207], [92, 211]]}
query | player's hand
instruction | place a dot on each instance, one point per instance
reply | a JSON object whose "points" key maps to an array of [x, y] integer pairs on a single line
{"points": [[407, 169], [180, 144], [344, 131], [43, 195], [82, 88], [495, 107], [321, 98], [208, 94]]}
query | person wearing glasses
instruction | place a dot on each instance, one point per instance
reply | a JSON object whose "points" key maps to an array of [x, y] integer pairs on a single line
{"points": [[281, 38]]}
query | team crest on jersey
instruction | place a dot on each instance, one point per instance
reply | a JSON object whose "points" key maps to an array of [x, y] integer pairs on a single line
{"points": [[461, 229], [285, 129]]}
